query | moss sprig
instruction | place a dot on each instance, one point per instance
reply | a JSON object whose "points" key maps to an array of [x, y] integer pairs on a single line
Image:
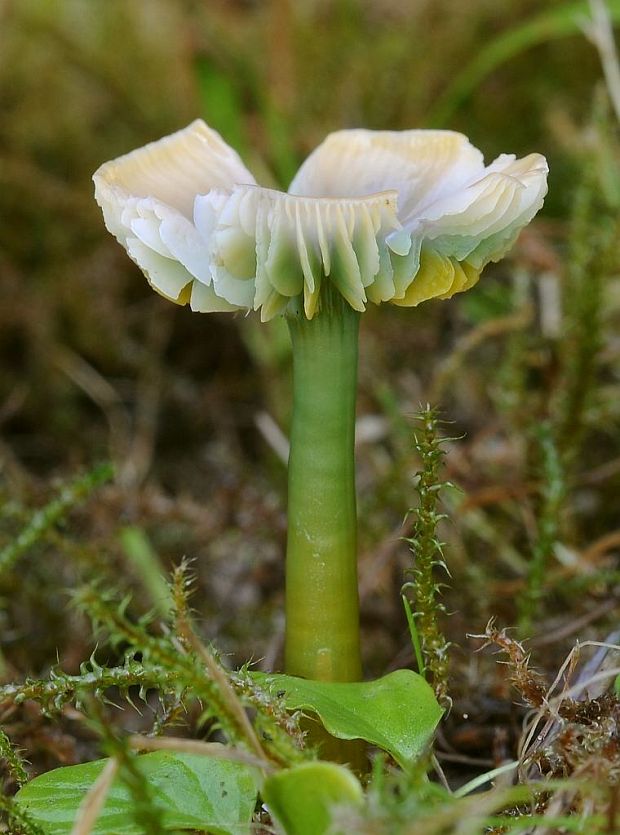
{"points": [[61, 689], [181, 590], [162, 652], [423, 591], [592, 259], [272, 720], [42, 520], [529, 683], [273, 723], [18, 821], [552, 493], [225, 698], [13, 760]]}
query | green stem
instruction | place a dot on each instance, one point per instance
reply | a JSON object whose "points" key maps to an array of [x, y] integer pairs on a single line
{"points": [[322, 605]]}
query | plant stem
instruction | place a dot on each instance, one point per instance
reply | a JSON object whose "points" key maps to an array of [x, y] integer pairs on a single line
{"points": [[322, 605]]}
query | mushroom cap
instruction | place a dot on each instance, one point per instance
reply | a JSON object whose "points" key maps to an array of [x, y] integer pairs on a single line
{"points": [[385, 216]]}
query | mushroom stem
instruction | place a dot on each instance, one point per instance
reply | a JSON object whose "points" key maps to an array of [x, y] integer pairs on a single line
{"points": [[322, 601]]}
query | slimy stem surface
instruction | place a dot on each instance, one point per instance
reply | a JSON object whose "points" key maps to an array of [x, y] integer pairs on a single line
{"points": [[322, 603]]}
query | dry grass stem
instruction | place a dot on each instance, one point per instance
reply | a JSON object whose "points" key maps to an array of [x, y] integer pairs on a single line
{"points": [[601, 33], [195, 746], [226, 689], [94, 801]]}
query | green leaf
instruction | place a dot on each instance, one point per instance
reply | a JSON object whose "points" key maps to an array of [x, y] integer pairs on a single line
{"points": [[192, 791], [300, 798], [398, 712], [567, 19]]}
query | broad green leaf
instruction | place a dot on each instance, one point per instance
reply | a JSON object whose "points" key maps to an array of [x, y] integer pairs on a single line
{"points": [[564, 20], [301, 798], [192, 791], [398, 712]]}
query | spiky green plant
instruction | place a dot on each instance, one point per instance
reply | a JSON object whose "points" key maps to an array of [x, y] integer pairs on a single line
{"points": [[421, 595]]}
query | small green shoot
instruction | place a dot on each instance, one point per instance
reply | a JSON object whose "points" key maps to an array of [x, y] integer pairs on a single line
{"points": [[147, 567], [415, 638], [301, 798]]}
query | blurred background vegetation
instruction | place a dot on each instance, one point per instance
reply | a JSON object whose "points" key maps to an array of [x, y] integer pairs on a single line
{"points": [[189, 407]]}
